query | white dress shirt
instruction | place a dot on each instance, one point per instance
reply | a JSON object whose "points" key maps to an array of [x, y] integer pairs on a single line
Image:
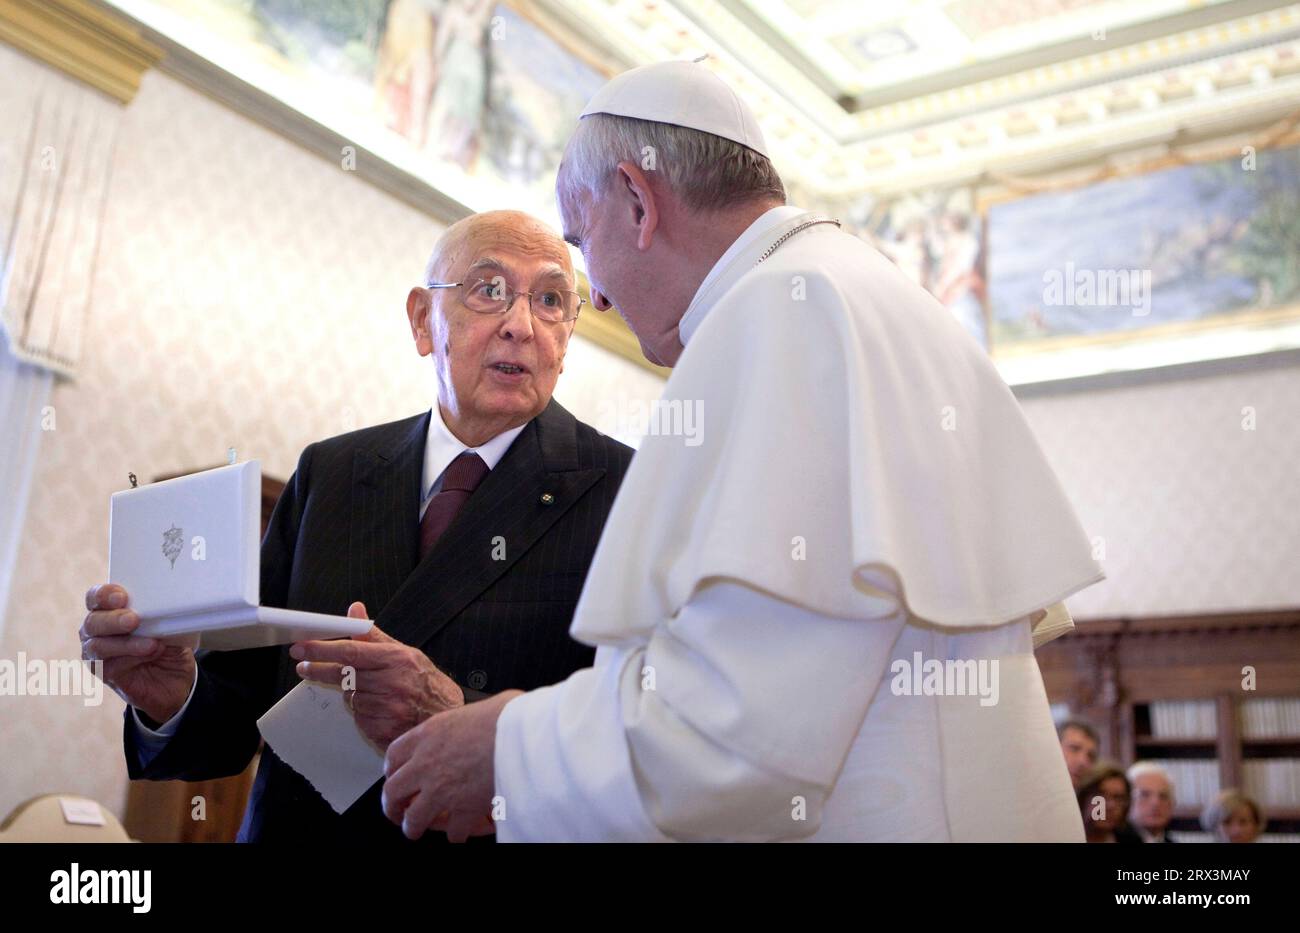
{"points": [[441, 447]]}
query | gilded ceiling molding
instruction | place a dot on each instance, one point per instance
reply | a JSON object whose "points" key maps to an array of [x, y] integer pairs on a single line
{"points": [[82, 40]]}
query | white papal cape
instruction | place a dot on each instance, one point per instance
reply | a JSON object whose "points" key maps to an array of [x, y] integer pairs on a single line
{"points": [[772, 596]]}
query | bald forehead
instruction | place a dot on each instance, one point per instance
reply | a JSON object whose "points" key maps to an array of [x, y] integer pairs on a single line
{"points": [[493, 261], [497, 236]]}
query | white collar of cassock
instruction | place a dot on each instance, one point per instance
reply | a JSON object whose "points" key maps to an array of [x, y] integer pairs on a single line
{"points": [[735, 262], [441, 447]]}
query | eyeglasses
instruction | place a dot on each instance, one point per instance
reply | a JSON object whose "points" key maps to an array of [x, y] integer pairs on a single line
{"points": [[494, 296]]}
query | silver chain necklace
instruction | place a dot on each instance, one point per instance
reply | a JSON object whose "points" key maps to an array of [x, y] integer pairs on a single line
{"points": [[789, 233]]}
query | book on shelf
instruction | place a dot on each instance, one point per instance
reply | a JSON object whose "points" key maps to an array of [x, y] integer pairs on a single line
{"points": [[1184, 719], [1270, 718], [1273, 782]]}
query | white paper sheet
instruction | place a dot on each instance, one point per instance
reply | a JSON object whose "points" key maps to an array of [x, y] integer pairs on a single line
{"points": [[82, 812], [313, 732]]}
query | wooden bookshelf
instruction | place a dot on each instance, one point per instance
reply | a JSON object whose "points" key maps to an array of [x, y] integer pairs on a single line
{"points": [[1109, 672], [1148, 742]]}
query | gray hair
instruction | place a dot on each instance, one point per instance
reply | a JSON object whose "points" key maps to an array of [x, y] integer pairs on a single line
{"points": [[1143, 768], [707, 172], [1222, 807]]}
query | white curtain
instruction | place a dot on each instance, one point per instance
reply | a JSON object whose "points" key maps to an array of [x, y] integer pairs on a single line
{"points": [[56, 152], [25, 390]]}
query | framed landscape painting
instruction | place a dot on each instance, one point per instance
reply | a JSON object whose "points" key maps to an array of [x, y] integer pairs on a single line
{"points": [[1182, 263]]}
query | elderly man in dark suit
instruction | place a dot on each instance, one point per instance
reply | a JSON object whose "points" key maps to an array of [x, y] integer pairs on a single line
{"points": [[467, 532]]}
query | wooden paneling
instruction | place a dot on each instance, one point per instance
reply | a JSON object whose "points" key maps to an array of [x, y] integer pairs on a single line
{"points": [[1108, 670]]}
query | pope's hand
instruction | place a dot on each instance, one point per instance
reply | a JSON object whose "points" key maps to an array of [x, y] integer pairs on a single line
{"points": [[389, 686], [440, 774]]}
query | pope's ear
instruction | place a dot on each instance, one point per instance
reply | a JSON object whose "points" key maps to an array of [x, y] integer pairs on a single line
{"points": [[641, 201], [419, 302]]}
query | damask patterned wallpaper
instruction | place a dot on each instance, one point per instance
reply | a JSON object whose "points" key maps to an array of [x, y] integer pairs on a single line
{"points": [[1190, 486], [251, 295]]}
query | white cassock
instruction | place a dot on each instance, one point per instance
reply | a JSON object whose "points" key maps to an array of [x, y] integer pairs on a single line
{"points": [[865, 491]]}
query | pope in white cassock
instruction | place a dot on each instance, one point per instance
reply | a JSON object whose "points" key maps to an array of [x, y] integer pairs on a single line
{"points": [[816, 617]]}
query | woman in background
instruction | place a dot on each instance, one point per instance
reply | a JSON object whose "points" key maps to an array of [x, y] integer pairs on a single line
{"points": [[1104, 797], [1233, 817]]}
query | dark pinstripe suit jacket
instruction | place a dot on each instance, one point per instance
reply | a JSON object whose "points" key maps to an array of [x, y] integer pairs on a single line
{"points": [[346, 528]]}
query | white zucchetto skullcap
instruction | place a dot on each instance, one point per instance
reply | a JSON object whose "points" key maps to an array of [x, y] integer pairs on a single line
{"points": [[683, 94]]}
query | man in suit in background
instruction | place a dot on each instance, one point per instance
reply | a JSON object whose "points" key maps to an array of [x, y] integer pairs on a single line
{"points": [[1153, 801], [467, 531], [1080, 745]]}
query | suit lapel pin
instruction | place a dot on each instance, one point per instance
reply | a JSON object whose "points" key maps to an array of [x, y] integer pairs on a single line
{"points": [[548, 499]]}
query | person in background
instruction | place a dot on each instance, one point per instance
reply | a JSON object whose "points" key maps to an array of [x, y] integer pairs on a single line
{"points": [[1233, 817], [1153, 801], [1104, 794], [1080, 745]]}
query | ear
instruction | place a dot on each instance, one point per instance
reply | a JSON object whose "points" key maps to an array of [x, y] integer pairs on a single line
{"points": [[419, 303], [634, 184]]}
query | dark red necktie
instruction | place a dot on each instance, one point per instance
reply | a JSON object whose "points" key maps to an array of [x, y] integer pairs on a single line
{"points": [[459, 480]]}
